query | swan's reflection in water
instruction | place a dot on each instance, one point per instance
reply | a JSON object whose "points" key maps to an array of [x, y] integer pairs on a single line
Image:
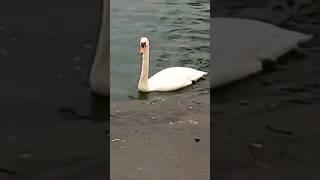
{"points": [[143, 96], [199, 87]]}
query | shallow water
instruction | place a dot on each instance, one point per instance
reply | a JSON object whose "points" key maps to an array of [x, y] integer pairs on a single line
{"points": [[179, 36]]}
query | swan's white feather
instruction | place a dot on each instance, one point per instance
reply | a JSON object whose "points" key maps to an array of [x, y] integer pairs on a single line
{"points": [[240, 45], [174, 78]]}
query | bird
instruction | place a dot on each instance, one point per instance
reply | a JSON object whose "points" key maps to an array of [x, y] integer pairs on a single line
{"points": [[241, 46], [169, 79]]}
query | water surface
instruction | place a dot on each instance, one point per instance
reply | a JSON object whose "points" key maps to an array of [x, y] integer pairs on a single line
{"points": [[178, 31]]}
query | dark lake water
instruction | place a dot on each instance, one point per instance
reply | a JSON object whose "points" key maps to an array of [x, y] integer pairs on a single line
{"points": [[178, 31]]}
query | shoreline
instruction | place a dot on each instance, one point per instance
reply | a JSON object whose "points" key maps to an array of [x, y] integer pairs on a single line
{"points": [[201, 86], [171, 134]]}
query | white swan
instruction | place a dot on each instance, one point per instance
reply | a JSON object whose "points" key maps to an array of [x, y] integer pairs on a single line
{"points": [[169, 79], [241, 45]]}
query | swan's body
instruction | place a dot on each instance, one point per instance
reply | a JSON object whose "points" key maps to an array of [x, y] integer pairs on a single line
{"points": [[169, 79], [174, 78], [241, 45]]}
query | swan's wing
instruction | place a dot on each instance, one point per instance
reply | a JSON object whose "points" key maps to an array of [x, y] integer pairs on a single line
{"points": [[241, 44], [174, 78]]}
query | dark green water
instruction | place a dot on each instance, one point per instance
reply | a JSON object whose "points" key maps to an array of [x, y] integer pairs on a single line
{"points": [[178, 31]]}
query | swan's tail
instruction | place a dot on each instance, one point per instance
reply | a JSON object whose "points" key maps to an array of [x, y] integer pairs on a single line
{"points": [[198, 75]]}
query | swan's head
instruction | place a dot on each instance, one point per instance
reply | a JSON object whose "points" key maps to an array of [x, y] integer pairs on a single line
{"points": [[144, 45]]}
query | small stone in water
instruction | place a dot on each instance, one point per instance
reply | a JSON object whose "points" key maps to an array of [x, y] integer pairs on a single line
{"points": [[257, 145], [197, 139]]}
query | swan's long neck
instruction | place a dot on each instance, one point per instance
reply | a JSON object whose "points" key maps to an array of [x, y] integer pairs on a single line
{"points": [[144, 76], [98, 75]]}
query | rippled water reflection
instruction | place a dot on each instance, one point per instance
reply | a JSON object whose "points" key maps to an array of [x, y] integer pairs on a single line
{"points": [[178, 31]]}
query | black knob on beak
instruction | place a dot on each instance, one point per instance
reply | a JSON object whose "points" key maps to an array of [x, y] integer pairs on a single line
{"points": [[143, 45]]}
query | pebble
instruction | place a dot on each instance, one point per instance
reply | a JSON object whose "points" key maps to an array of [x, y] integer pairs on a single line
{"points": [[196, 102], [256, 145], [193, 122], [114, 140]]}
